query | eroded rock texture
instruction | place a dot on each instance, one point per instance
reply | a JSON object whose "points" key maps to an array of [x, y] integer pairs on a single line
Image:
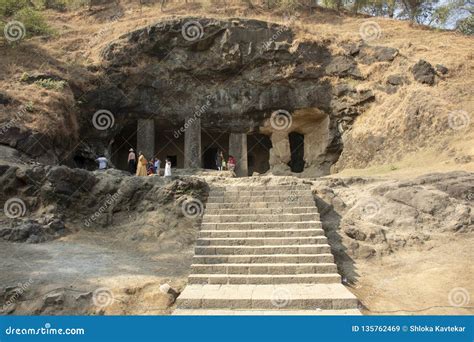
{"points": [[234, 74]]}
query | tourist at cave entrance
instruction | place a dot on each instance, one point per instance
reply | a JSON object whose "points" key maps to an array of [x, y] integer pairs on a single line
{"points": [[224, 164], [132, 161], [168, 168], [150, 168], [219, 160], [141, 166], [156, 165], [102, 162], [231, 163]]}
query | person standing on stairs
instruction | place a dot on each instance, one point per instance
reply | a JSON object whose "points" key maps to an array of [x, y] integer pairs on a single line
{"points": [[156, 165], [102, 163], [141, 167], [219, 159], [168, 168], [132, 161]]}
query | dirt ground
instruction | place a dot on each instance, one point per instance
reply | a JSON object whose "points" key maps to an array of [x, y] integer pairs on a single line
{"points": [[109, 271], [419, 282], [410, 282], [76, 266]]}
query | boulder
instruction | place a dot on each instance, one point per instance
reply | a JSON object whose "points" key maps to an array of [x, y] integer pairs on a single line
{"points": [[441, 69], [371, 54], [424, 72], [343, 66], [396, 80], [5, 99]]}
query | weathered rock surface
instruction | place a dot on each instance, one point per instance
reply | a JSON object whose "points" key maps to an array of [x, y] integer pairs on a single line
{"points": [[424, 72], [58, 200], [239, 72], [366, 218]]}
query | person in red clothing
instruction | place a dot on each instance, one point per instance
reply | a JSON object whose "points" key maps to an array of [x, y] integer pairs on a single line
{"points": [[231, 163]]}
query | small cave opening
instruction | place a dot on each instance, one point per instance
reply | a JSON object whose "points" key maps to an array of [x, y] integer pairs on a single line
{"points": [[212, 142], [123, 142], [297, 152], [258, 153], [209, 158]]}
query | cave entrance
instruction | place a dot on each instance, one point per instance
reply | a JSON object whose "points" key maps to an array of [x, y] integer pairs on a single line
{"points": [[258, 153], [123, 142], [212, 142], [297, 152], [209, 158], [167, 145]]}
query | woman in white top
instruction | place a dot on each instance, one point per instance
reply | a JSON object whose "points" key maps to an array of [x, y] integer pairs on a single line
{"points": [[168, 168]]}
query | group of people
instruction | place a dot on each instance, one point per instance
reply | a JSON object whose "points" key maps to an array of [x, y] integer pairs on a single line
{"points": [[143, 167], [222, 164]]}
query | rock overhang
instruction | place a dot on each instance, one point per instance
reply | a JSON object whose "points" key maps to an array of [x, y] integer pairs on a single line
{"points": [[234, 74]]}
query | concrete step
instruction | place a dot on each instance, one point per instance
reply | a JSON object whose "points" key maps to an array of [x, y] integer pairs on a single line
{"points": [[326, 278], [260, 211], [260, 233], [281, 199], [257, 241], [254, 205], [250, 250], [260, 218], [264, 258], [261, 187], [286, 193], [260, 225], [285, 269], [265, 312], [267, 297]]}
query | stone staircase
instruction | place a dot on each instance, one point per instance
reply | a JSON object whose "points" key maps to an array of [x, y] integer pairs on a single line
{"points": [[262, 250]]}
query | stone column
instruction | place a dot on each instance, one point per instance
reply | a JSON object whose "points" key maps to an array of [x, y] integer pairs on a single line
{"points": [[280, 153], [146, 137], [192, 142], [238, 149]]}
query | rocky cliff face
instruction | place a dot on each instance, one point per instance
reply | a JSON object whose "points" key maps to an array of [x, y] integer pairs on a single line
{"points": [[235, 74], [244, 76], [42, 203]]}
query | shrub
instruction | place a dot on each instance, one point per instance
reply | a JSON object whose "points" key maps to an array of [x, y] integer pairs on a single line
{"points": [[33, 21], [466, 26], [51, 84], [10, 7]]}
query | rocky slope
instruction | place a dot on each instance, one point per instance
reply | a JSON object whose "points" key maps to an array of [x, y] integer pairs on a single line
{"points": [[131, 235], [359, 102], [44, 202]]}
